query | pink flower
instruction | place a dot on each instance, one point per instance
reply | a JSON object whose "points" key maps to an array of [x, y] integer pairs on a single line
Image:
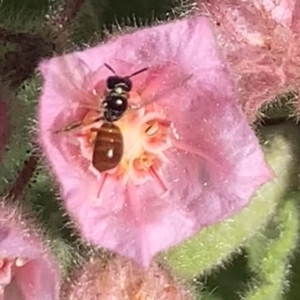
{"points": [[3, 126], [189, 158], [27, 271], [260, 40]]}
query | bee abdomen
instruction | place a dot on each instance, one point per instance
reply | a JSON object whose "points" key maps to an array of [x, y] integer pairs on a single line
{"points": [[108, 148]]}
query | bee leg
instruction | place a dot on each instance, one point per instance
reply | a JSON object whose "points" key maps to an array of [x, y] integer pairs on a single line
{"points": [[69, 127], [75, 125]]}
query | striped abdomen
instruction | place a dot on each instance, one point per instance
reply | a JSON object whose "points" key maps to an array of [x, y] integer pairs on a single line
{"points": [[108, 149]]}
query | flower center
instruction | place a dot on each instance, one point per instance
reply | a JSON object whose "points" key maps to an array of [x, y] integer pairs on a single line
{"points": [[137, 149]]}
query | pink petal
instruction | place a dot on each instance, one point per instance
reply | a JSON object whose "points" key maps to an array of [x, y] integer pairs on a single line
{"points": [[213, 168], [34, 274]]}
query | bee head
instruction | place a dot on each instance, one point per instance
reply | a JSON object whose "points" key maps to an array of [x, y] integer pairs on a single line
{"points": [[116, 81]]}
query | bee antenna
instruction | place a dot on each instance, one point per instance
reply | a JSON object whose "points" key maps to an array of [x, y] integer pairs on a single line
{"points": [[137, 72], [110, 68]]}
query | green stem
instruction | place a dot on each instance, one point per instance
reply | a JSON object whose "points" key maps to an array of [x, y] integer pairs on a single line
{"points": [[274, 263]]}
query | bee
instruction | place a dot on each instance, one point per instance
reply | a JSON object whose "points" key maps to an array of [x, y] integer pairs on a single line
{"points": [[109, 143]]}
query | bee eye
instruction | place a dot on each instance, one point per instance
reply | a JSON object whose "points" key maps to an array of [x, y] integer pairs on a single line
{"points": [[112, 81], [127, 84]]}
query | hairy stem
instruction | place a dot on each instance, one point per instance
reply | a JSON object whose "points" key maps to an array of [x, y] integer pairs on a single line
{"points": [[8, 35], [62, 17], [28, 170], [20, 64]]}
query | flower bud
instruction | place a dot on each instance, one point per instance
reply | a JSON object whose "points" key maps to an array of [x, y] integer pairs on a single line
{"points": [[260, 40], [120, 279]]}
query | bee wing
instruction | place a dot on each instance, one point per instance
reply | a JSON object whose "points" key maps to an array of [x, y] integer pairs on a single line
{"points": [[162, 80], [70, 77]]}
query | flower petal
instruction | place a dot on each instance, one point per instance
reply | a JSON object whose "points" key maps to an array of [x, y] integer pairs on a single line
{"points": [[34, 274]]}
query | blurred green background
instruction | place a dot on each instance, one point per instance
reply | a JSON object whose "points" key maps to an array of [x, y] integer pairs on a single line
{"points": [[27, 15]]}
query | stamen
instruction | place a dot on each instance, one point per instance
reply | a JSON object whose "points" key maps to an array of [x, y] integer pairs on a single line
{"points": [[101, 184], [146, 161], [157, 179], [152, 129], [20, 262]]}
